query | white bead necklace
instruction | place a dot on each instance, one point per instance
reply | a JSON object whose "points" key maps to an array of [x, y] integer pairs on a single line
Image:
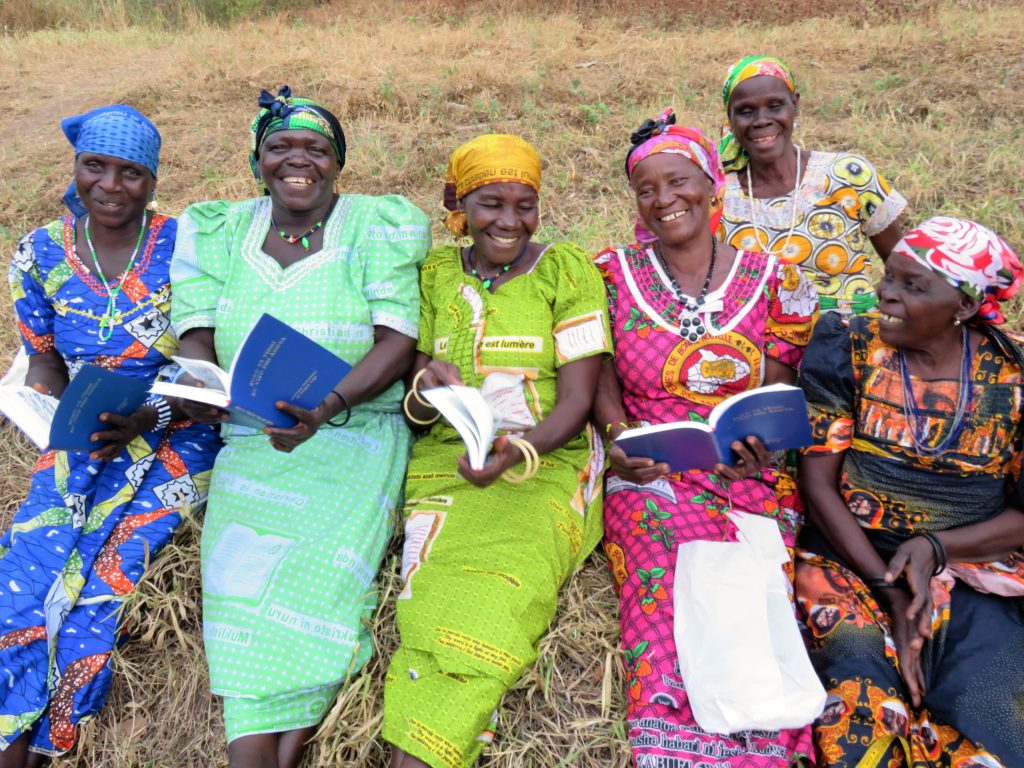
{"points": [[753, 210]]}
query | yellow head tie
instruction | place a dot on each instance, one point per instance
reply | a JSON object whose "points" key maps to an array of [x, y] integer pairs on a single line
{"points": [[488, 159]]}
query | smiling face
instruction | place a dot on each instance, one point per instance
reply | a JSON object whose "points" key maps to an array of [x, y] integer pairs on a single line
{"points": [[916, 305], [298, 169], [672, 197], [502, 218], [115, 192], [762, 111]]}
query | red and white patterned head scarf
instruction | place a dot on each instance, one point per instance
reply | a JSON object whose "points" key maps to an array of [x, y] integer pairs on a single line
{"points": [[969, 257]]}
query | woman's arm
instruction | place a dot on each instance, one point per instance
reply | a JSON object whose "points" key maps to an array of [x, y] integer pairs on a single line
{"points": [[984, 542], [47, 373], [577, 381], [818, 478], [610, 414], [885, 240], [386, 362]]}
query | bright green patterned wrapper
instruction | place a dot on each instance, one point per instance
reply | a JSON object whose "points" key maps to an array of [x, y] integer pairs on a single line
{"points": [[482, 567]]}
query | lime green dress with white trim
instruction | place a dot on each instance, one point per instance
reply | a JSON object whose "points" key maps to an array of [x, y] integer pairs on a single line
{"points": [[483, 566], [292, 541]]}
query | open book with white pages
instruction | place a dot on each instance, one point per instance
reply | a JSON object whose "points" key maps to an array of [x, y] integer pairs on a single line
{"points": [[479, 414]]}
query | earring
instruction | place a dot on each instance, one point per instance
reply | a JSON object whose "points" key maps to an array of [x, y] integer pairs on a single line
{"points": [[956, 321]]}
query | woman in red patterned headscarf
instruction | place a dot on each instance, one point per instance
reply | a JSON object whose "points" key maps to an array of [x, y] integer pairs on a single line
{"points": [[916, 532]]}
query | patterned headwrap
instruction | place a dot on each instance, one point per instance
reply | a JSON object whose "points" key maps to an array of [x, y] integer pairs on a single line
{"points": [[116, 131], [663, 135], [287, 113], [969, 257], [488, 159], [734, 157]]}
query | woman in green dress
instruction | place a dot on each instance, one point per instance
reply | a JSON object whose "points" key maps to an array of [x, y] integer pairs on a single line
{"points": [[486, 550], [297, 524]]}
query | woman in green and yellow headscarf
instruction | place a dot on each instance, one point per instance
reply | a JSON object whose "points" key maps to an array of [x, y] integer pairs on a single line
{"points": [[815, 209], [298, 518], [487, 548]]}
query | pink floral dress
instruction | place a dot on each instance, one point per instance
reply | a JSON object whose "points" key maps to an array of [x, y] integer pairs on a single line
{"points": [[765, 308]]}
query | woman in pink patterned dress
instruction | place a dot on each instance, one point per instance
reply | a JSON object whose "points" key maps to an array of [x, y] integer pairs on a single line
{"points": [[694, 322]]}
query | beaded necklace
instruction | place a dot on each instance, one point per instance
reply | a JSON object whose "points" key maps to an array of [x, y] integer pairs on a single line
{"points": [[913, 413], [691, 327], [487, 281], [300, 238], [753, 209], [111, 315]]}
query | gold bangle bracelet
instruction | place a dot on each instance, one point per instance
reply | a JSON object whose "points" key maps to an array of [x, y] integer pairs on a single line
{"points": [[530, 457], [415, 394], [413, 419]]}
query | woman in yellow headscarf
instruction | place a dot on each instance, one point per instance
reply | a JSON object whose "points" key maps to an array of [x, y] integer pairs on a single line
{"points": [[486, 550]]}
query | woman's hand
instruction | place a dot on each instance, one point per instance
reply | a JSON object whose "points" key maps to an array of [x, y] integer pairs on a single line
{"points": [[201, 413], [503, 457], [125, 429], [753, 456], [288, 439], [634, 469], [915, 561], [438, 374], [908, 641]]}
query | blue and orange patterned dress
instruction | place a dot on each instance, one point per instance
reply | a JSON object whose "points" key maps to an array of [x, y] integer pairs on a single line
{"points": [[79, 543]]}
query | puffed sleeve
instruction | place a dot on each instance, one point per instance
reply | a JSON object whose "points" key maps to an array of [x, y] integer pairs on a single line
{"points": [[827, 379], [792, 313], [607, 265], [199, 267], [28, 292], [580, 311], [393, 244], [428, 285], [880, 203]]}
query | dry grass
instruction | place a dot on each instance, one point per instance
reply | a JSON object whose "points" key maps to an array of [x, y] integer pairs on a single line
{"points": [[929, 92]]}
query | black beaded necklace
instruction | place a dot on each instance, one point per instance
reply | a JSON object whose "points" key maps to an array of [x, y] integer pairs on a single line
{"points": [[691, 327], [487, 281]]}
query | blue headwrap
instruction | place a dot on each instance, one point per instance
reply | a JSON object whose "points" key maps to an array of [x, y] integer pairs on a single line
{"points": [[118, 131]]}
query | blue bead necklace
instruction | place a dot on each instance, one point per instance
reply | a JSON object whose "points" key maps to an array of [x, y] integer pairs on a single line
{"points": [[912, 411]]}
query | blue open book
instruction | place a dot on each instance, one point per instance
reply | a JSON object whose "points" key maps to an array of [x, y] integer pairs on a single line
{"points": [[69, 423], [274, 363], [776, 415]]}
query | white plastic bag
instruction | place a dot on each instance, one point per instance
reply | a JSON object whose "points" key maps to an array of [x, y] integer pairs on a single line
{"points": [[740, 652]]}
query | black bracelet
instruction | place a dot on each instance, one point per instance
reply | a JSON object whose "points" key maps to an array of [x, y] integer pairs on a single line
{"points": [[879, 582], [348, 410], [941, 558]]}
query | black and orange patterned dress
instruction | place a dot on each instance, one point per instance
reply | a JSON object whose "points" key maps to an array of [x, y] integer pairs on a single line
{"points": [[972, 715]]}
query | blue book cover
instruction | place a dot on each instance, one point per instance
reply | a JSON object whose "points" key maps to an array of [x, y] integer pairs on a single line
{"points": [[776, 415], [93, 391], [274, 363]]}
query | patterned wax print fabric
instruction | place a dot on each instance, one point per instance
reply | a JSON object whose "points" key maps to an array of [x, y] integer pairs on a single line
{"points": [[972, 715], [79, 543], [292, 541], [764, 310], [482, 567], [840, 203]]}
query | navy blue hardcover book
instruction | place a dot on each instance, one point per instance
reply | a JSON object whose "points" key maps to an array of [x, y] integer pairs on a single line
{"points": [[775, 414], [274, 363], [93, 391]]}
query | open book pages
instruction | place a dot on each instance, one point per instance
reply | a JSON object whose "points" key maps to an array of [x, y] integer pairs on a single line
{"points": [[467, 411], [478, 414], [31, 411], [216, 383]]}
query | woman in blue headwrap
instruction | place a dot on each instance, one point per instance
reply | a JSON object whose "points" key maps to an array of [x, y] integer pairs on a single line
{"points": [[92, 288]]}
